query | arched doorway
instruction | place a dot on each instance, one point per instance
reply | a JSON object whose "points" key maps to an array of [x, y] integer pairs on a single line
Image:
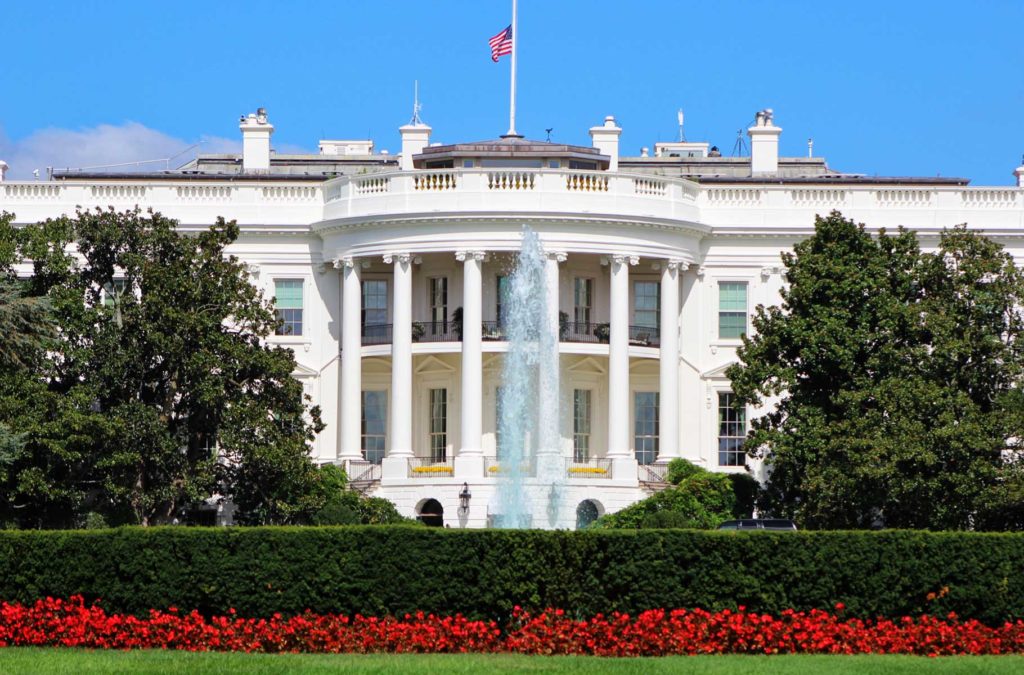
{"points": [[432, 513], [586, 513]]}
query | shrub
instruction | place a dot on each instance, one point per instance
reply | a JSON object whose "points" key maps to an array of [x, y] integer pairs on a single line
{"points": [[346, 507], [679, 469], [485, 573]]}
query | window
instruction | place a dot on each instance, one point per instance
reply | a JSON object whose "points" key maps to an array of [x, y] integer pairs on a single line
{"points": [[646, 308], [501, 297], [583, 301], [581, 425], [645, 426], [467, 164], [113, 291], [438, 425], [732, 431], [732, 309], [375, 308], [438, 306], [375, 419], [288, 293]]}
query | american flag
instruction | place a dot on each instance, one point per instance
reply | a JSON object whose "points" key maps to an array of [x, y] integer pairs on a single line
{"points": [[501, 44]]}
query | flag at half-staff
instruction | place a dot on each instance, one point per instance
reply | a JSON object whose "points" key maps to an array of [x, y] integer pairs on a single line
{"points": [[501, 44]]}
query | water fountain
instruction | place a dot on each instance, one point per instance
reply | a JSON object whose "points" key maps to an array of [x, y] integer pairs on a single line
{"points": [[531, 467]]}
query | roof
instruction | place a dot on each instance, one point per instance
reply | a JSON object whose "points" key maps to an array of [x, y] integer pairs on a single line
{"points": [[511, 147]]}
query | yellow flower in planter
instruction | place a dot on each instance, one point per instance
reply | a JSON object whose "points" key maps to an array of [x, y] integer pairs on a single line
{"points": [[587, 470], [432, 469]]}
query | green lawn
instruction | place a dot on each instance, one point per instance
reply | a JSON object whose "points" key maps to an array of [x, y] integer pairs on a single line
{"points": [[21, 660]]}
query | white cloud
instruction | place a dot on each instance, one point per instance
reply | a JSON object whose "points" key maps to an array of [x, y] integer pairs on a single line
{"points": [[102, 145]]}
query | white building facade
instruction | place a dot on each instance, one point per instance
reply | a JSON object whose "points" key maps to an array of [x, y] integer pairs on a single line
{"points": [[389, 273]]}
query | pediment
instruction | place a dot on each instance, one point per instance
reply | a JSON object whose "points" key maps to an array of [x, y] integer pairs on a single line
{"points": [[432, 364], [717, 373], [587, 365], [303, 372]]}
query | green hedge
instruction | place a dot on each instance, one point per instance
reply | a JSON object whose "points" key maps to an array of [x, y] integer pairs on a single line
{"points": [[484, 573]]}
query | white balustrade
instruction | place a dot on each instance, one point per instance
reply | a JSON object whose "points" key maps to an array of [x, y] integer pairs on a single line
{"points": [[586, 182], [904, 198], [434, 181], [511, 180]]}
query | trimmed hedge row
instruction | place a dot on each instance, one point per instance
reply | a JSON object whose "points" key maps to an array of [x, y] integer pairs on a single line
{"points": [[485, 573]]}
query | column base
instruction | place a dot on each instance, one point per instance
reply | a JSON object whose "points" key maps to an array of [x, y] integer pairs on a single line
{"points": [[394, 467], [469, 466]]}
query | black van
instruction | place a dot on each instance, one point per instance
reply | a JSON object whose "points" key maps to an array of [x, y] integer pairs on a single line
{"points": [[758, 524]]}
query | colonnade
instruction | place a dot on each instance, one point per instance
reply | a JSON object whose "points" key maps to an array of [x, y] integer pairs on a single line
{"points": [[469, 456]]}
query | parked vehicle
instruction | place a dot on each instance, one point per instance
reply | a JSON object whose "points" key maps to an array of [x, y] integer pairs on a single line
{"points": [[758, 524]]}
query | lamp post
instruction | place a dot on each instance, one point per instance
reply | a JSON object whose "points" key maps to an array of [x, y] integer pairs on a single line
{"points": [[464, 497]]}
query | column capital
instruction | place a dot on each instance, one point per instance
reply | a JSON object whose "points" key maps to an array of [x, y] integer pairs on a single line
{"points": [[404, 258], [624, 259], [677, 264], [701, 271], [768, 270], [558, 256], [463, 256], [253, 269], [344, 262]]}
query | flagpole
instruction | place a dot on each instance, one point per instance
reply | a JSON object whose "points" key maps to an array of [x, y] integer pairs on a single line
{"points": [[515, 53]]}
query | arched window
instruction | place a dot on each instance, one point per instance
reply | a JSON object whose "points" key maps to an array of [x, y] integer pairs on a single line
{"points": [[586, 513], [432, 513]]}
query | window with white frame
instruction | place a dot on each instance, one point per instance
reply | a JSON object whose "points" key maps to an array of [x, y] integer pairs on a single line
{"points": [[645, 426], [583, 301], [438, 324], [646, 307], [732, 309], [581, 399], [288, 296], [375, 309], [375, 420], [113, 291], [438, 425], [732, 430]]}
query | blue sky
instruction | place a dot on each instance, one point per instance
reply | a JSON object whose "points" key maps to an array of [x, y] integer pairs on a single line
{"points": [[888, 88]]}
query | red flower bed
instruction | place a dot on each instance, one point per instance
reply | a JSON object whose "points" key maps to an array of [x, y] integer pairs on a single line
{"points": [[72, 623]]}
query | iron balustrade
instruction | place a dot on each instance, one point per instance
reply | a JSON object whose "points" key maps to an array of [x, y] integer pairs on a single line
{"points": [[436, 331], [376, 334], [591, 468], [644, 336], [495, 331], [425, 467], [578, 331]]}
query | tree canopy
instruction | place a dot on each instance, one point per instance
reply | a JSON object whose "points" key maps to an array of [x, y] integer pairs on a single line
{"points": [[891, 379], [156, 391]]}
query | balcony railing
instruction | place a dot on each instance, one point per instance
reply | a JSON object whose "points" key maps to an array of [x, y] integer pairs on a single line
{"points": [[494, 331], [436, 331], [377, 334], [644, 336], [591, 468], [425, 467]]}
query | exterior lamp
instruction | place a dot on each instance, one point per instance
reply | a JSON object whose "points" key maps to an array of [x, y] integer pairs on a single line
{"points": [[464, 497]]}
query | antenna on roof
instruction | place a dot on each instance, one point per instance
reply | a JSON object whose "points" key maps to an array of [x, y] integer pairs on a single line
{"points": [[549, 130], [416, 107], [739, 149], [682, 136]]}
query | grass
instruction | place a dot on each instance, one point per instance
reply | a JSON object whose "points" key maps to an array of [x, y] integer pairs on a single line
{"points": [[26, 660]]}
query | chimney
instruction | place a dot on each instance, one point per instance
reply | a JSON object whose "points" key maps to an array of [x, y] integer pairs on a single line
{"points": [[764, 144], [1018, 172], [256, 131], [3, 170], [606, 139], [415, 137]]}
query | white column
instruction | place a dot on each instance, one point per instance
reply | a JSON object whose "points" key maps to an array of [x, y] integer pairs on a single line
{"points": [[550, 441], [401, 356], [469, 459], [618, 359], [351, 403], [668, 395]]}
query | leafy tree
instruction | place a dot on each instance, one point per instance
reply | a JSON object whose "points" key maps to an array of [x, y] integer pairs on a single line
{"points": [[342, 506], [897, 373], [160, 391], [697, 499]]}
